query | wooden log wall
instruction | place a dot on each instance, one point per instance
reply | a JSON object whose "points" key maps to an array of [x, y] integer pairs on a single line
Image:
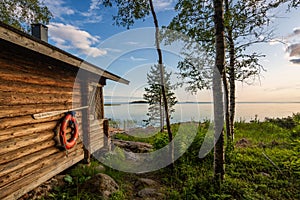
{"points": [[31, 83], [96, 118]]}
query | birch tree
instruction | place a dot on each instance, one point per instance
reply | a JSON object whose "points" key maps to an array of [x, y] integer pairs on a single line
{"points": [[245, 23], [219, 170], [128, 12]]}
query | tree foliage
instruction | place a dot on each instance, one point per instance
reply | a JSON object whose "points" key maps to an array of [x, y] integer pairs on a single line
{"points": [[153, 95], [246, 19], [290, 3], [21, 14], [128, 11]]}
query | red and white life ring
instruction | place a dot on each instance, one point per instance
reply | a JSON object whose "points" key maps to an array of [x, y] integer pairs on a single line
{"points": [[70, 121]]}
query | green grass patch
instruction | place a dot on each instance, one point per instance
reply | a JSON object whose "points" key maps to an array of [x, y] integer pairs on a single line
{"points": [[265, 164]]}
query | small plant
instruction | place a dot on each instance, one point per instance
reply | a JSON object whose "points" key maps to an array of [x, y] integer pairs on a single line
{"points": [[119, 195], [286, 122]]}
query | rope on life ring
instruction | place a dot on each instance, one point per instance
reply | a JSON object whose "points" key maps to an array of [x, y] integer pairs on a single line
{"points": [[69, 121]]}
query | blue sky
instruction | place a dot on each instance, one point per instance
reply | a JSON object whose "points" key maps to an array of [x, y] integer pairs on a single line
{"points": [[85, 29]]}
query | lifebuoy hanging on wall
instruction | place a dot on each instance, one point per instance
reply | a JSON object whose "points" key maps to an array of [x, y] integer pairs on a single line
{"points": [[69, 121]]}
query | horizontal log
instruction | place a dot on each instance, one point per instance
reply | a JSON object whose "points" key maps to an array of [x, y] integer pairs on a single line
{"points": [[97, 137], [96, 123], [40, 66], [17, 188], [8, 86], [26, 160], [24, 151], [96, 129], [96, 146], [19, 142], [21, 110], [15, 98], [97, 134], [26, 130], [97, 141], [11, 75], [26, 120], [31, 167]]}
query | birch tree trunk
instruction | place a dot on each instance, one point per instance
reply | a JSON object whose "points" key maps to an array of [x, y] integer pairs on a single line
{"points": [[163, 89], [231, 70], [219, 170]]}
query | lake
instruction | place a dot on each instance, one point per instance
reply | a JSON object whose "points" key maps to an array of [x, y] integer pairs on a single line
{"points": [[245, 111]]}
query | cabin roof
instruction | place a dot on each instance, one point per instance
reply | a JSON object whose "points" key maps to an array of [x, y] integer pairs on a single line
{"points": [[27, 41]]}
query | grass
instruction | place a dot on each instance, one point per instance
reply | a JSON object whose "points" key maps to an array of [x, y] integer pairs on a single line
{"points": [[265, 164]]}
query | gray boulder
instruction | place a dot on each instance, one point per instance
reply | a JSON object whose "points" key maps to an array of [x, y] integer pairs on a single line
{"points": [[101, 184]]}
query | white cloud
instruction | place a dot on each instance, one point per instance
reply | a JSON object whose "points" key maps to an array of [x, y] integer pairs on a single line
{"points": [[58, 8], [94, 5], [92, 15], [69, 37], [137, 59], [292, 45], [163, 4], [132, 43]]}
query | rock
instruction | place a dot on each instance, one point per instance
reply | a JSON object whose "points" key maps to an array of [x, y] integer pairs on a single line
{"points": [[58, 180], [136, 147], [101, 184], [130, 156], [145, 182], [242, 143], [150, 193], [100, 168]]}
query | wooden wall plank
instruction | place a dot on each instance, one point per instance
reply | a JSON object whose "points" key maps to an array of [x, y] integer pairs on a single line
{"points": [[11, 75], [26, 160], [15, 98], [16, 189], [7, 86], [27, 129], [24, 151], [26, 120], [12, 144], [21, 110]]}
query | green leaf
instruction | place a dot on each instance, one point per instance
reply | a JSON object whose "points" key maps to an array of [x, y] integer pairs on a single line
{"points": [[68, 178]]}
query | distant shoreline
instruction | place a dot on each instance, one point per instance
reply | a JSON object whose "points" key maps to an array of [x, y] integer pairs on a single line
{"points": [[191, 102]]}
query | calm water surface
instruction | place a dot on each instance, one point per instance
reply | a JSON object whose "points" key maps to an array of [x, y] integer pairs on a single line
{"points": [[201, 111]]}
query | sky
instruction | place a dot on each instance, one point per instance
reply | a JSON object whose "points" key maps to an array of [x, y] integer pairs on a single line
{"points": [[85, 29]]}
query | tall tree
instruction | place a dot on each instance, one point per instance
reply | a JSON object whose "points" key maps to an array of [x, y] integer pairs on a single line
{"points": [[128, 11], [21, 14], [244, 22], [153, 96], [219, 169]]}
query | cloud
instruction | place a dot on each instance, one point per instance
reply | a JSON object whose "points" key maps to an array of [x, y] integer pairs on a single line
{"points": [[94, 5], [131, 43], [58, 8], [163, 4], [294, 50], [137, 59], [69, 37], [297, 31], [295, 61], [113, 50], [92, 15], [292, 43]]}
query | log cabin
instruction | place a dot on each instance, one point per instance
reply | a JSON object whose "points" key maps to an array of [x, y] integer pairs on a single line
{"points": [[38, 84]]}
